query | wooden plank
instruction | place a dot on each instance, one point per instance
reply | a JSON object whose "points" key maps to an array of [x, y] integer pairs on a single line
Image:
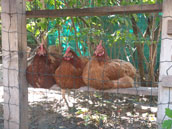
{"points": [[169, 31], [164, 93], [151, 91], [97, 11], [14, 64]]}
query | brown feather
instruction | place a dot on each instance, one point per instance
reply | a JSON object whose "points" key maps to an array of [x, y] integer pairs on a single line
{"points": [[128, 68], [69, 74], [102, 73], [40, 72]]}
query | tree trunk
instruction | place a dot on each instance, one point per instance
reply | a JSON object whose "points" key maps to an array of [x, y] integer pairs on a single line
{"points": [[151, 65], [140, 55], [153, 50]]}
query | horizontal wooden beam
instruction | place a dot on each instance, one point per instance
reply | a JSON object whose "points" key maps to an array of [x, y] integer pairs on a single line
{"points": [[97, 11]]}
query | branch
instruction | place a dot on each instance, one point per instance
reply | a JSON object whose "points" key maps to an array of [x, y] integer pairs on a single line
{"points": [[32, 54], [59, 38], [76, 38], [125, 52], [89, 46], [82, 19], [55, 4], [158, 37], [131, 53], [159, 30], [155, 37], [147, 32], [153, 28], [36, 40], [136, 29], [152, 42], [139, 46]]}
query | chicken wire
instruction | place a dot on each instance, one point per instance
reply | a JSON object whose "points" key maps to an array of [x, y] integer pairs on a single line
{"points": [[96, 109]]}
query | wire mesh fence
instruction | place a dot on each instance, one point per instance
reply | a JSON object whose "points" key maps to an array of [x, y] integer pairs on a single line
{"points": [[135, 39]]}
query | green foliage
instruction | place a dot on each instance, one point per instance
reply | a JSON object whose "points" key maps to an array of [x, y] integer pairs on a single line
{"points": [[168, 112], [167, 124], [36, 4], [112, 29]]}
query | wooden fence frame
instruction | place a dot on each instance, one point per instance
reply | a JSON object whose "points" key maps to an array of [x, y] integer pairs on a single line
{"points": [[14, 45], [14, 10]]}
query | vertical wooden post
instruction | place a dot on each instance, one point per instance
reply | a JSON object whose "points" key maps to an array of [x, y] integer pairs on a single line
{"points": [[14, 64], [165, 85]]}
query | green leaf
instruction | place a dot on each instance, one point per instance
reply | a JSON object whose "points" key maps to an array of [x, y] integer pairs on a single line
{"points": [[168, 112], [167, 124], [99, 2], [29, 28], [37, 33]]}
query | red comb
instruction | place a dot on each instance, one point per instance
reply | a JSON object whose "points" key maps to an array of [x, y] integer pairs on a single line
{"points": [[100, 44], [68, 49]]}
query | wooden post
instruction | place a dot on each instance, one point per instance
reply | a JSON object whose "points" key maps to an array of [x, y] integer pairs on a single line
{"points": [[164, 91], [14, 64]]}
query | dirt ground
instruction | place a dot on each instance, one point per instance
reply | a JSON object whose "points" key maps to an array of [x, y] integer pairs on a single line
{"points": [[47, 110]]}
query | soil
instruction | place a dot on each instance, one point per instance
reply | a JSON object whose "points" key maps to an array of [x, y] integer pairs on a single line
{"points": [[47, 110]]}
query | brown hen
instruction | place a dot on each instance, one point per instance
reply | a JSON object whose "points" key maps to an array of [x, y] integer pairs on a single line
{"points": [[69, 74], [40, 72], [103, 73]]}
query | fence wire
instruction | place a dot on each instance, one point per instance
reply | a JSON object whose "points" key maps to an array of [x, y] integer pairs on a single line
{"points": [[129, 37]]}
